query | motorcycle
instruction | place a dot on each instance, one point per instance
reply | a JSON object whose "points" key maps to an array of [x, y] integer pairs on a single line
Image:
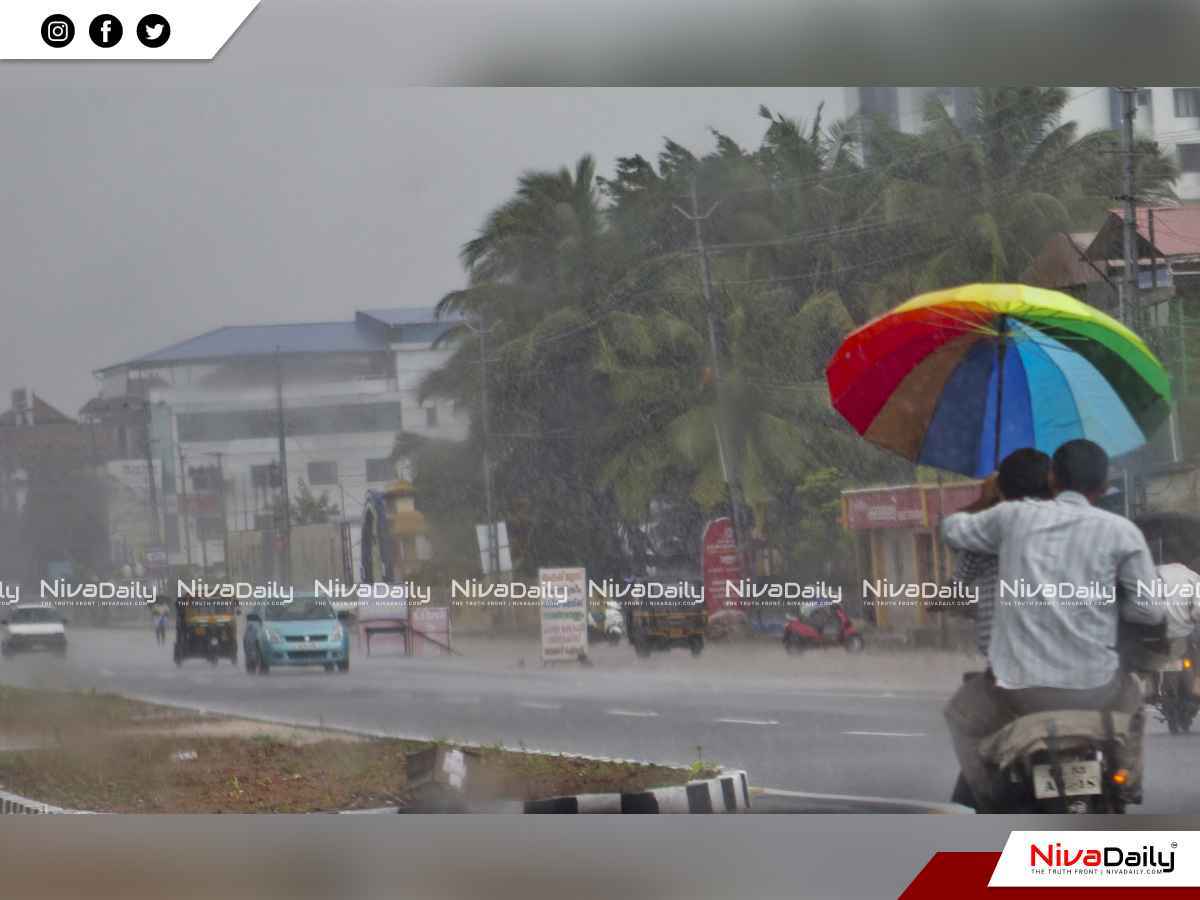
{"points": [[1058, 762], [607, 624], [1173, 693], [826, 626]]}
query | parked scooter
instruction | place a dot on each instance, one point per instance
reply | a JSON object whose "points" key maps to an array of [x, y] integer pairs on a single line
{"points": [[826, 626], [607, 624]]}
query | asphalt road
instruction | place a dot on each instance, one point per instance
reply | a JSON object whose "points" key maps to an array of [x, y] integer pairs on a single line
{"points": [[825, 723]]}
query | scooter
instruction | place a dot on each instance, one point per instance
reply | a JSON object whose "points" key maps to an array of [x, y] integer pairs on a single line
{"points": [[1173, 693], [827, 626], [607, 624], [1054, 762]]}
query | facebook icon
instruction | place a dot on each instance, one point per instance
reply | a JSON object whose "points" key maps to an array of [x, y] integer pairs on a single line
{"points": [[106, 30]]}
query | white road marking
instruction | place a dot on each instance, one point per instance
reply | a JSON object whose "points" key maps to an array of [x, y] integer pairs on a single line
{"points": [[107, 673], [530, 704], [749, 721], [887, 733], [462, 701], [632, 713]]}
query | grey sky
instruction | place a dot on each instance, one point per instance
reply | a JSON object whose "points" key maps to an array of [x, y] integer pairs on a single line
{"points": [[146, 204]]}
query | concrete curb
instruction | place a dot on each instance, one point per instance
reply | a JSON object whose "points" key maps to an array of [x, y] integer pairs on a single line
{"points": [[14, 804], [729, 792], [840, 803]]}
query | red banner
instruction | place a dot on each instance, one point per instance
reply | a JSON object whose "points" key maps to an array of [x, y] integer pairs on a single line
{"points": [[720, 563], [902, 507]]}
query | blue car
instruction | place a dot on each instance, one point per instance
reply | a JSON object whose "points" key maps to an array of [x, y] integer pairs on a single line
{"points": [[304, 632]]}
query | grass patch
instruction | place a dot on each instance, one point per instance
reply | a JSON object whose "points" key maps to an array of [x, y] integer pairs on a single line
{"points": [[105, 753]]}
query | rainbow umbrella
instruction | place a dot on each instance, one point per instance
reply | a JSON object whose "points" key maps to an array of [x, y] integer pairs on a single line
{"points": [[958, 379]]}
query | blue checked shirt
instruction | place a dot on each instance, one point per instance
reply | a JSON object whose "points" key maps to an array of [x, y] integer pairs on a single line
{"points": [[980, 570], [1040, 640]]}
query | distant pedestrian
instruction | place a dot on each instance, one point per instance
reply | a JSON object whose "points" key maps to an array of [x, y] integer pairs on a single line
{"points": [[160, 623]]}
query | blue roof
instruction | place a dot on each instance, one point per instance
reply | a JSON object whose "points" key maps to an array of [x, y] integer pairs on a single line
{"points": [[404, 315], [371, 330]]}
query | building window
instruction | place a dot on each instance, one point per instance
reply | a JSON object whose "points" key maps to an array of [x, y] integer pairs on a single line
{"points": [[210, 528], [1143, 98], [380, 470], [298, 421], [265, 476], [205, 479], [431, 416], [171, 523], [1189, 157], [1187, 103], [322, 473]]}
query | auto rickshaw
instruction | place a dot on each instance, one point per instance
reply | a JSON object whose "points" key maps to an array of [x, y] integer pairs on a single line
{"points": [[205, 628], [662, 623]]}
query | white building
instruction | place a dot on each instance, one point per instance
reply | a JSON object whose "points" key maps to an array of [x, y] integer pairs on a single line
{"points": [[348, 388], [1170, 115]]}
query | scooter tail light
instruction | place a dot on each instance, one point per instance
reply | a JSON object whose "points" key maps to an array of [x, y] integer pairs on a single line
{"points": [[1120, 776]]}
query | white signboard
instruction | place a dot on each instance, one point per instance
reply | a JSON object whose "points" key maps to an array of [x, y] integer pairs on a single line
{"points": [[485, 547], [134, 476], [564, 614]]}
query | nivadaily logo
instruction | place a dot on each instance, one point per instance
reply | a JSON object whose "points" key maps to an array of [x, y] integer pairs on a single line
{"points": [[1055, 858]]}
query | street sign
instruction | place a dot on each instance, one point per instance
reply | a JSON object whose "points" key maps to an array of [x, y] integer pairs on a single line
{"points": [[564, 614], [720, 563]]}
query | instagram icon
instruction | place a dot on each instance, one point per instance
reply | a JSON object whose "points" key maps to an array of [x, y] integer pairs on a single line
{"points": [[58, 30]]}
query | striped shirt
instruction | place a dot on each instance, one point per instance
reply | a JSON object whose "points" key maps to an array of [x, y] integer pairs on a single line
{"points": [[1183, 608], [1060, 562], [980, 570]]}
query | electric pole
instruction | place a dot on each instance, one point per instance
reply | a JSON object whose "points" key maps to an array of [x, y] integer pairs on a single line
{"points": [[183, 506], [493, 537], [146, 447], [286, 530], [1127, 305], [224, 509], [732, 484]]}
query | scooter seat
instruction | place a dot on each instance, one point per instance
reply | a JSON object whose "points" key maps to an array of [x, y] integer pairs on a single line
{"points": [[1072, 728]]}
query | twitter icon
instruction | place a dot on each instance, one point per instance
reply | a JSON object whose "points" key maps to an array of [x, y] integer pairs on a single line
{"points": [[153, 30]]}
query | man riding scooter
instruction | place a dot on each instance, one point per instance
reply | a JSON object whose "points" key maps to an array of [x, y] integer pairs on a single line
{"points": [[1048, 652]]}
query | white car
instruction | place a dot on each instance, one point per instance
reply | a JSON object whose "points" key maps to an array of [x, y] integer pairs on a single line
{"points": [[33, 628]]}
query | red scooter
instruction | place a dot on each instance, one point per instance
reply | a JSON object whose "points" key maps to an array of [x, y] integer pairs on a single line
{"points": [[826, 626]]}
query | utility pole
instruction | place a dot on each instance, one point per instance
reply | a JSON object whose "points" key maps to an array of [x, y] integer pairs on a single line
{"points": [[1126, 311], [183, 505], [493, 536], [286, 532], [224, 510], [732, 484], [147, 441], [1127, 306]]}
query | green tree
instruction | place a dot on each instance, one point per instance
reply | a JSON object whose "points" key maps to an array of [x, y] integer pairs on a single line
{"points": [[310, 509]]}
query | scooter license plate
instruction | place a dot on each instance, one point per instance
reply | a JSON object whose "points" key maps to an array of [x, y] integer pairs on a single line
{"points": [[1079, 779], [213, 642], [1175, 665]]}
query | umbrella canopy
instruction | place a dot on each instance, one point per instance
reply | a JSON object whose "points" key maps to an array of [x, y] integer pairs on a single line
{"points": [[958, 379]]}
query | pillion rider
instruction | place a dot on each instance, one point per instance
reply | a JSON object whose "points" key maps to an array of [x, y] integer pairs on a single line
{"points": [[1053, 652]]}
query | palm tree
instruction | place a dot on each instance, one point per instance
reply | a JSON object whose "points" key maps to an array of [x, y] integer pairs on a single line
{"points": [[538, 275], [989, 193]]}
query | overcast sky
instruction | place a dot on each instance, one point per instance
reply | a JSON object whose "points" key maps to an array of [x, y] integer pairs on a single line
{"points": [[145, 204]]}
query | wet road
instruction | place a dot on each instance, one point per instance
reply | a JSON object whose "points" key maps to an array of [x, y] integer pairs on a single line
{"points": [[828, 723]]}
